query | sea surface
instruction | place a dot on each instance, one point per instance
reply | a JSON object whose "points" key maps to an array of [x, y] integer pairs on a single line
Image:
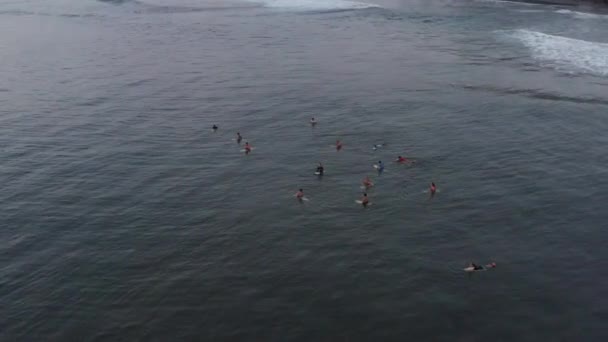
{"points": [[124, 217]]}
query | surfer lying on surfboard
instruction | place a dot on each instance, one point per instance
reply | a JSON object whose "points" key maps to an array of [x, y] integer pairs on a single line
{"points": [[474, 267]]}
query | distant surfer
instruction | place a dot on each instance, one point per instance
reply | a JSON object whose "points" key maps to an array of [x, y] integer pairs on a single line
{"points": [[320, 169], [313, 122], [380, 166], [433, 189], [364, 200], [338, 145], [238, 138], [367, 182], [300, 194], [377, 146], [401, 159], [247, 148], [474, 267], [215, 128]]}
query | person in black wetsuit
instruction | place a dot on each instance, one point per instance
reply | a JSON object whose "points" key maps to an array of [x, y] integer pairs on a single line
{"points": [[320, 169], [476, 267]]}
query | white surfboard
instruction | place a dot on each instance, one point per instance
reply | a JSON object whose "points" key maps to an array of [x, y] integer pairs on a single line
{"points": [[361, 202]]}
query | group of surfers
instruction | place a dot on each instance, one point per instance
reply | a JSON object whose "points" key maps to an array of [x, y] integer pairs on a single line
{"points": [[367, 183]]}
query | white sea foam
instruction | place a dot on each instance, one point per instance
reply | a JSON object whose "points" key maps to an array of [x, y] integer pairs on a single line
{"points": [[506, 2], [564, 53], [582, 15], [315, 5]]}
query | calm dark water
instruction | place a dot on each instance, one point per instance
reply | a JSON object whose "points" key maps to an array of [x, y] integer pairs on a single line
{"points": [[125, 218]]}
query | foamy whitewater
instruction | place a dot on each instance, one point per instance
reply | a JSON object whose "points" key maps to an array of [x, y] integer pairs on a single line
{"points": [[565, 54], [582, 15], [314, 5]]}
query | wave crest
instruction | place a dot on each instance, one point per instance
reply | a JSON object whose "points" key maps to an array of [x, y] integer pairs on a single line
{"points": [[565, 53], [315, 5]]}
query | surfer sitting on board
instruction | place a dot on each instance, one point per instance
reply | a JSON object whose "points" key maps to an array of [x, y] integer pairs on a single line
{"points": [[380, 166], [313, 121], [320, 169], [364, 200], [367, 182], [338, 145], [238, 137], [474, 267], [433, 189], [215, 128], [300, 194], [247, 148]]}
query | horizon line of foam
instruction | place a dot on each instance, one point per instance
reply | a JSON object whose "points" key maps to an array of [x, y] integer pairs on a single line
{"points": [[312, 5]]}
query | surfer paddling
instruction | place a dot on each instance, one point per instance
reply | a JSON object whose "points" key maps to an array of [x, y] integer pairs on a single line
{"points": [[473, 267]]}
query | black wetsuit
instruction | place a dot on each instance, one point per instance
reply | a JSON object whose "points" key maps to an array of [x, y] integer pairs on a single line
{"points": [[320, 170]]}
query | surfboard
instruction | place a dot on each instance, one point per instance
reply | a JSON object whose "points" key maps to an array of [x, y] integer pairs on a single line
{"points": [[244, 150], [472, 269], [361, 202], [318, 173]]}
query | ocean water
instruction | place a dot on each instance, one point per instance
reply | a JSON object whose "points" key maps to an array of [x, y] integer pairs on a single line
{"points": [[126, 218]]}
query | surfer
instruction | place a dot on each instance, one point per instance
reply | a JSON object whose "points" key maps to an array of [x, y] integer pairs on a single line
{"points": [[215, 128], [401, 159], [367, 182], [474, 267], [338, 145], [380, 166], [320, 169], [300, 194], [364, 200], [377, 146], [313, 122], [238, 137], [247, 148], [433, 189]]}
